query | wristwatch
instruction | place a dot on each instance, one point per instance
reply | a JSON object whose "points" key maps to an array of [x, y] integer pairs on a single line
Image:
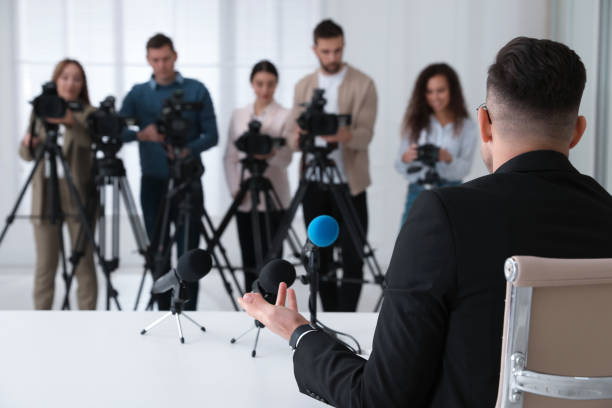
{"points": [[300, 332]]}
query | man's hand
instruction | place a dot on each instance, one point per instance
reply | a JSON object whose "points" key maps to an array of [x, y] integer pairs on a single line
{"points": [[344, 135], [150, 134], [278, 318], [444, 156], [265, 156], [67, 120], [411, 154]]}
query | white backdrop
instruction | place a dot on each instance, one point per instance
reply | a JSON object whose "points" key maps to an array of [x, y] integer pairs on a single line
{"points": [[219, 40]]}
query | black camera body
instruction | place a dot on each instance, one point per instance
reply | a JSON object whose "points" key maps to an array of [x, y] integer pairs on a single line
{"points": [[253, 142], [316, 122], [106, 127], [172, 124], [106, 121], [428, 155], [50, 105]]}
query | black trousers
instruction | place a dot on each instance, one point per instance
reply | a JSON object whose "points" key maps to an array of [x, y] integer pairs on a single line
{"points": [[246, 236], [152, 198], [337, 295]]}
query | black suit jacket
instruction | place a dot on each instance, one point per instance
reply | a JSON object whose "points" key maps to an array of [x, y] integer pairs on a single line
{"points": [[438, 337]]}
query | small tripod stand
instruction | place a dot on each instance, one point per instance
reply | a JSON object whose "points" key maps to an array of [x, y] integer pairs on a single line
{"points": [[109, 170], [51, 152], [323, 171], [179, 298], [184, 174]]}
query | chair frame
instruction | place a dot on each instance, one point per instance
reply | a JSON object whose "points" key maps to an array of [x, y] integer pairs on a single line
{"points": [[516, 379]]}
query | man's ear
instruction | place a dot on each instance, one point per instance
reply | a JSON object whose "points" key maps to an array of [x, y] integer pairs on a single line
{"points": [[578, 131], [484, 125]]}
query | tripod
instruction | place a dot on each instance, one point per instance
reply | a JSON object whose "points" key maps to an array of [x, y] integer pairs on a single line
{"points": [[256, 185], [185, 172], [51, 152], [322, 171], [109, 171], [179, 298]]}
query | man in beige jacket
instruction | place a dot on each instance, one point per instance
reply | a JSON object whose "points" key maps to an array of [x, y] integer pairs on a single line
{"points": [[347, 91]]}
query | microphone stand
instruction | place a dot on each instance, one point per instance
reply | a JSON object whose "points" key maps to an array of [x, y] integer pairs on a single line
{"points": [[179, 298], [258, 325], [312, 279]]}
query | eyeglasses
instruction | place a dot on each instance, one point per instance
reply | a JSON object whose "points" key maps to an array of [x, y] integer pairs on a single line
{"points": [[484, 107]]}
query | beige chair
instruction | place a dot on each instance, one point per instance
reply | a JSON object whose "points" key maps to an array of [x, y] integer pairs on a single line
{"points": [[557, 344]]}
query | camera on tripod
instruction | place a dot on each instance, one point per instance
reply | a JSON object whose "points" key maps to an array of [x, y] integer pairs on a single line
{"points": [[172, 124], [50, 105], [106, 126], [427, 155], [316, 122], [253, 142]]}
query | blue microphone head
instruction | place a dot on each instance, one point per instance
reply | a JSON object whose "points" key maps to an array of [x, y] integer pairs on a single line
{"points": [[323, 231]]}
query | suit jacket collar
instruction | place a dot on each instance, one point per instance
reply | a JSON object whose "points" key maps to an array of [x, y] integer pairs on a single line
{"points": [[539, 160]]}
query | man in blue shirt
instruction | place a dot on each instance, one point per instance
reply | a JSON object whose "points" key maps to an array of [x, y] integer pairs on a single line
{"points": [[144, 104]]}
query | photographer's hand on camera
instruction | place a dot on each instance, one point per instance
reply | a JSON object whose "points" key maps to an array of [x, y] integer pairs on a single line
{"points": [[411, 154], [67, 120], [444, 156], [343, 135], [150, 134]]}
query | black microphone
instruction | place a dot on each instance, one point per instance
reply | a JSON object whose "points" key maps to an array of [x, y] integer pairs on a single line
{"points": [[270, 277], [192, 266]]}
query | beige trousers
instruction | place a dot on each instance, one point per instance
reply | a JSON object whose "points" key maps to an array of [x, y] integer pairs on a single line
{"points": [[46, 237]]}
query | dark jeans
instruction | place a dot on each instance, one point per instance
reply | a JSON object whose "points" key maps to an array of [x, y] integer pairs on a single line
{"points": [[337, 295], [152, 198], [246, 237]]}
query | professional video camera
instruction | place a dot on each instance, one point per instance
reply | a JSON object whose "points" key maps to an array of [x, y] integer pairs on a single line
{"points": [[106, 126], [427, 155], [316, 122], [252, 142], [50, 105], [173, 124]]}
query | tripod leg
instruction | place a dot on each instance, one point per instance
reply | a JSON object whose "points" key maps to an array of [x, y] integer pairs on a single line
{"points": [[177, 316], [111, 292], [235, 339], [155, 323], [219, 267], [11, 217], [287, 219], [186, 316], [254, 352]]}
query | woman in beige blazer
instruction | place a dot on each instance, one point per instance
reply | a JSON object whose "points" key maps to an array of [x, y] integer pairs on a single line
{"points": [[71, 83], [273, 117]]}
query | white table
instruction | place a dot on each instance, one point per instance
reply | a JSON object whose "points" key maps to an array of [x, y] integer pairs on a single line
{"points": [[99, 359]]}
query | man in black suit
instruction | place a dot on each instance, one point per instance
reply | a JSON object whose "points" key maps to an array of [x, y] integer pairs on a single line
{"points": [[438, 338]]}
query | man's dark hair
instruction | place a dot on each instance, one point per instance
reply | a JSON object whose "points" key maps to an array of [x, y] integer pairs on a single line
{"points": [[327, 29], [159, 40], [539, 80]]}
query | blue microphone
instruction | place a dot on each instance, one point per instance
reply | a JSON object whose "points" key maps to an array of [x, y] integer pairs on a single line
{"points": [[323, 231]]}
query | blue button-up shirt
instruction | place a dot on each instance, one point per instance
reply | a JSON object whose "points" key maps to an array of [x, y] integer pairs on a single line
{"points": [[144, 104]]}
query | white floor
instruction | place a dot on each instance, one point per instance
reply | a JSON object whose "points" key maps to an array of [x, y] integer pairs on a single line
{"points": [[16, 285]]}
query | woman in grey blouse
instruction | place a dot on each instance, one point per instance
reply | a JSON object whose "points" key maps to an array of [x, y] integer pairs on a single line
{"points": [[436, 115]]}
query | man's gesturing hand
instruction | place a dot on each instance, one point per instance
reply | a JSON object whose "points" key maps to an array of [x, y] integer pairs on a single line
{"points": [[279, 318]]}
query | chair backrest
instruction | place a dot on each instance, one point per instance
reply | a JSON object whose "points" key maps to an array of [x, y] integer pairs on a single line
{"points": [[557, 343]]}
